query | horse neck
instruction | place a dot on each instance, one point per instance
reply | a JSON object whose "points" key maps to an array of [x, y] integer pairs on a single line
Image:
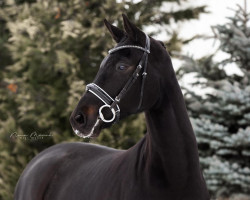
{"points": [[170, 143]]}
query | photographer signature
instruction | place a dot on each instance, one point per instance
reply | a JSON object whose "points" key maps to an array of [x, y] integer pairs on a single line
{"points": [[32, 136]]}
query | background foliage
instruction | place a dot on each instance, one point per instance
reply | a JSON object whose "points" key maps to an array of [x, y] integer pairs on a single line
{"points": [[221, 115], [49, 50]]}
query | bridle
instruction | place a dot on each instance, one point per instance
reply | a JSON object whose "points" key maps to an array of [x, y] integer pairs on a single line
{"points": [[112, 103]]}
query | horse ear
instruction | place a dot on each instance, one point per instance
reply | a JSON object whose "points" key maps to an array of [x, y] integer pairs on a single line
{"points": [[116, 33], [135, 33]]}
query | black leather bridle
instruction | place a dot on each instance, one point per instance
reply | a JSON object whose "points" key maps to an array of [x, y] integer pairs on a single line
{"points": [[112, 103]]}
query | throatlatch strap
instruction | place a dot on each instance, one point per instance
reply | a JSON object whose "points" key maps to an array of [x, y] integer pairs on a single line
{"points": [[144, 74]]}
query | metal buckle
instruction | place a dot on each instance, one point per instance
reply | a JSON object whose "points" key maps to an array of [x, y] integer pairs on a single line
{"points": [[102, 116]]}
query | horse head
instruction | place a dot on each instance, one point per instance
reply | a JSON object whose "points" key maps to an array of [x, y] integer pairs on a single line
{"points": [[128, 81]]}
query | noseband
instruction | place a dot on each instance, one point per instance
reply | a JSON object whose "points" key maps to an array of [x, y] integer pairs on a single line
{"points": [[112, 103]]}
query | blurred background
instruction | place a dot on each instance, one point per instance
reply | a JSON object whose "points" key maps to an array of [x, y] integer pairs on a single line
{"points": [[50, 49]]}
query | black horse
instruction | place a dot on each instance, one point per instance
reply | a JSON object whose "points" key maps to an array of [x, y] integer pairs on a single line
{"points": [[136, 76]]}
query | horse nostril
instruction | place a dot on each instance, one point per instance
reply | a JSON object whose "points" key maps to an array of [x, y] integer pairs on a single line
{"points": [[80, 119]]}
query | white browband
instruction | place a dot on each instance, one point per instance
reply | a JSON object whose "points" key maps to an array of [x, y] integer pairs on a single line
{"points": [[128, 46]]}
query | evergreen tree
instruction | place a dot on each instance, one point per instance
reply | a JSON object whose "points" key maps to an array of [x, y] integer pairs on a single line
{"points": [[49, 50], [221, 117]]}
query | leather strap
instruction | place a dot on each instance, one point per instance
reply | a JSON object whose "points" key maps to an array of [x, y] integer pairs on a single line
{"points": [[113, 103]]}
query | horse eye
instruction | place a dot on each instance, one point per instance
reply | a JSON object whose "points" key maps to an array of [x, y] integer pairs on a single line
{"points": [[122, 67]]}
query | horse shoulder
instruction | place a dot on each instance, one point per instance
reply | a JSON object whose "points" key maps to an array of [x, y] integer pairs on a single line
{"points": [[38, 174]]}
